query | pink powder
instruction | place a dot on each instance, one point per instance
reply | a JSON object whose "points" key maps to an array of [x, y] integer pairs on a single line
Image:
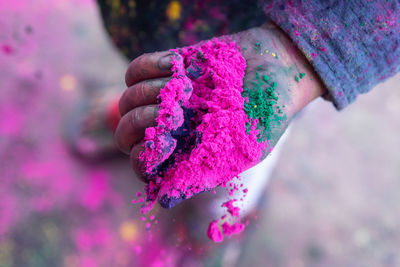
{"points": [[11, 120], [232, 229], [95, 194], [214, 233], [207, 79], [234, 211], [7, 49]]}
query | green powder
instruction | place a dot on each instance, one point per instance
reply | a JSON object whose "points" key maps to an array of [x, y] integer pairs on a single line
{"points": [[257, 47], [200, 56], [262, 106]]}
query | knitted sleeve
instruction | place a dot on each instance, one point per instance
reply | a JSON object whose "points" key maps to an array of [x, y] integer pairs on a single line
{"points": [[352, 44]]}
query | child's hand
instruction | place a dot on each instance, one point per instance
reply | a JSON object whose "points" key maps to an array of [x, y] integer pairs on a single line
{"points": [[268, 53]]}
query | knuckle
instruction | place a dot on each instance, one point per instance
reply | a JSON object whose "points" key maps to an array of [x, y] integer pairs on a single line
{"points": [[136, 117], [135, 68], [141, 91]]}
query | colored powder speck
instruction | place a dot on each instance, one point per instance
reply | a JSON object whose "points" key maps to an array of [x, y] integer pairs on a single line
{"points": [[138, 249], [203, 136], [7, 49], [231, 229], [261, 106], [257, 47], [296, 78], [173, 10], [214, 233], [234, 211], [302, 75]]}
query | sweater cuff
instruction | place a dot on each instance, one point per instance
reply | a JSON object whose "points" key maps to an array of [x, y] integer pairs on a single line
{"points": [[352, 45]]}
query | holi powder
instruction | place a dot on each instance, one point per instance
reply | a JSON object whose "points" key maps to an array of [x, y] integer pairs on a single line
{"points": [[226, 225], [261, 106], [206, 134]]}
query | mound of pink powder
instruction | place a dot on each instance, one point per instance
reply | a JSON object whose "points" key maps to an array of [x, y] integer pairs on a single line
{"points": [[200, 141]]}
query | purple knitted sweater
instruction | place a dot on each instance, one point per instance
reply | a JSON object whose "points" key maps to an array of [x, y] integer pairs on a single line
{"points": [[352, 44]]}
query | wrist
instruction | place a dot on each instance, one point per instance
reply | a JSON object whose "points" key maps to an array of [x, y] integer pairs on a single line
{"points": [[307, 86]]}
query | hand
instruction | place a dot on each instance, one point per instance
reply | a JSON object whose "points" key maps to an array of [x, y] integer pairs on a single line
{"points": [[268, 53], [138, 107]]}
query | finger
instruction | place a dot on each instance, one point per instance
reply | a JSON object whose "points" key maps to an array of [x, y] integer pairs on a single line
{"points": [[132, 126], [141, 94], [168, 202], [148, 66], [136, 163]]}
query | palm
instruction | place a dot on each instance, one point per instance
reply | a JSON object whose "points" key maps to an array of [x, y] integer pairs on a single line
{"points": [[269, 85]]}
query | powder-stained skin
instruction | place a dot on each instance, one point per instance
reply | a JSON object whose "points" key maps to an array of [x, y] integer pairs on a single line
{"points": [[221, 112]]}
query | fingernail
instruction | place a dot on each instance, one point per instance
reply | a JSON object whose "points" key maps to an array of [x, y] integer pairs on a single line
{"points": [[164, 63]]}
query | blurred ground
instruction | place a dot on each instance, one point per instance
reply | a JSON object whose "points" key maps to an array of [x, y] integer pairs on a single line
{"points": [[333, 200]]}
